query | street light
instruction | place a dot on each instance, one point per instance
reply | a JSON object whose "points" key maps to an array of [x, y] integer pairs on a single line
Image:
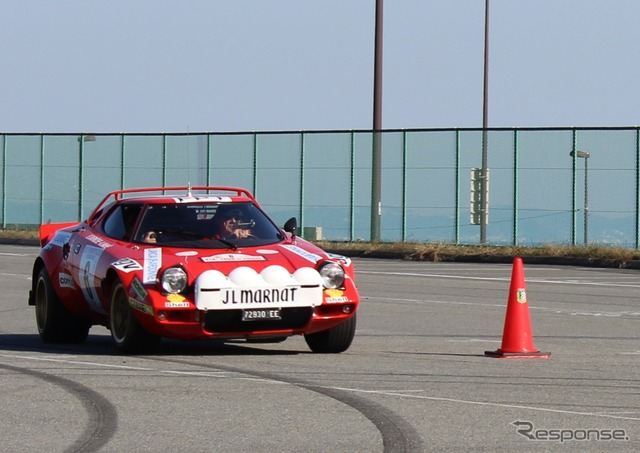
{"points": [[484, 190], [585, 155], [376, 164]]}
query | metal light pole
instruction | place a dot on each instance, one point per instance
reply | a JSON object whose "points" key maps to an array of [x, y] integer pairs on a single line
{"points": [[376, 164], [585, 155], [484, 192]]}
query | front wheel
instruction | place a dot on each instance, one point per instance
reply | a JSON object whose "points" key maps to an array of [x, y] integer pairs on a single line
{"points": [[334, 340], [55, 323], [127, 333]]}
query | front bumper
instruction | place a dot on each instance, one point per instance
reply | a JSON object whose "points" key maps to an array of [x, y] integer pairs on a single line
{"points": [[190, 324]]}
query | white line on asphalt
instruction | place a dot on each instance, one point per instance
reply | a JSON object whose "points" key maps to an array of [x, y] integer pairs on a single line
{"points": [[76, 362], [6, 274], [403, 394], [126, 367], [604, 314], [496, 279], [199, 373]]}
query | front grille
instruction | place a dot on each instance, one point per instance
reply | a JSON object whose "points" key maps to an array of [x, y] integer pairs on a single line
{"points": [[231, 320]]}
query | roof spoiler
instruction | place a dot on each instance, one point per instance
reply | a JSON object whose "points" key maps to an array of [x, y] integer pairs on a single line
{"points": [[119, 194]]}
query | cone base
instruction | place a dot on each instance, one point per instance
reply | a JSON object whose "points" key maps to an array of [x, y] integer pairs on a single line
{"points": [[517, 355]]}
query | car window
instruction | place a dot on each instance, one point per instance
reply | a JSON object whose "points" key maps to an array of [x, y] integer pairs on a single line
{"points": [[198, 225], [120, 222]]}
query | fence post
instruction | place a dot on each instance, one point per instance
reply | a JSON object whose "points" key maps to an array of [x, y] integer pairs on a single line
{"points": [[637, 188], [254, 189], [515, 186], [302, 159], [164, 160], [208, 175], [80, 175], [42, 179], [352, 197], [404, 186], [4, 181], [574, 214], [122, 161], [456, 227]]}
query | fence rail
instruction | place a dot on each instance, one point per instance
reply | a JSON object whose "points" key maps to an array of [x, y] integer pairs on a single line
{"points": [[547, 185]]}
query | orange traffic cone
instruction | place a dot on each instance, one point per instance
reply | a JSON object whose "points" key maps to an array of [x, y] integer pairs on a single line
{"points": [[517, 338]]}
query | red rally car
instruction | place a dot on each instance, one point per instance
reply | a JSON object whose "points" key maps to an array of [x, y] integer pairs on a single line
{"points": [[189, 263]]}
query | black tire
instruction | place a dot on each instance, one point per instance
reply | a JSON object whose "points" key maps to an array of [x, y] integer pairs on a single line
{"points": [[127, 333], [55, 323], [335, 340]]}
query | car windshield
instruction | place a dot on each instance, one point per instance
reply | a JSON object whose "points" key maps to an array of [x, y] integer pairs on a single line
{"points": [[206, 225]]}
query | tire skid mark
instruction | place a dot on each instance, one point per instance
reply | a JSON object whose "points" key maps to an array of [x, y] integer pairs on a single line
{"points": [[102, 421], [398, 436]]}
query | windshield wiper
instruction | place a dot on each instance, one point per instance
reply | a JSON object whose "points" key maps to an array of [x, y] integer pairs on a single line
{"points": [[229, 244]]}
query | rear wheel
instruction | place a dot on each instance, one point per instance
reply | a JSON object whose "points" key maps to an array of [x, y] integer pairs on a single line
{"points": [[55, 323], [127, 333], [334, 340]]}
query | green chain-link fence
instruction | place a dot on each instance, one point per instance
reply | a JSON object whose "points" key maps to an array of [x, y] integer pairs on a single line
{"points": [[546, 186]]}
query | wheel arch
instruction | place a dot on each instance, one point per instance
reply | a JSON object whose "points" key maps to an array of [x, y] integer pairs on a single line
{"points": [[37, 267], [109, 280]]}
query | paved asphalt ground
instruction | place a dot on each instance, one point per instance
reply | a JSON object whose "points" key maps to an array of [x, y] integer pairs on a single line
{"points": [[415, 379]]}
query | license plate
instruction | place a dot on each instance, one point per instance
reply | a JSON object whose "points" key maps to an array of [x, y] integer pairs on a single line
{"points": [[270, 314]]}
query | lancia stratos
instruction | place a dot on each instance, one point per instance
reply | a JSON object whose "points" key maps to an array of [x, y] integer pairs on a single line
{"points": [[189, 263]]}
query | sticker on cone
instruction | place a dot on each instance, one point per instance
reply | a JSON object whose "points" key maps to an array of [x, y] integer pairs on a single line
{"points": [[517, 338]]}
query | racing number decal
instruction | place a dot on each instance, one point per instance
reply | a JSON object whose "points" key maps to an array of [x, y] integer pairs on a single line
{"points": [[88, 263], [127, 265]]}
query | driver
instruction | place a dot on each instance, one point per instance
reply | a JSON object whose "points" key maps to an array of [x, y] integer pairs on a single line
{"points": [[228, 224], [150, 237]]}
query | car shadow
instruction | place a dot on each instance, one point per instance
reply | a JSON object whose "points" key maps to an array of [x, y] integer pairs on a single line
{"points": [[103, 345]]}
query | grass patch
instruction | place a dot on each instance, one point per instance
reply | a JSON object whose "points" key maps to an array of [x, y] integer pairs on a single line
{"points": [[438, 251], [19, 233], [434, 251]]}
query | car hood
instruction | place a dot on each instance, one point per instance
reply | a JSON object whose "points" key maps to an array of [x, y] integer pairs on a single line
{"points": [[289, 255]]}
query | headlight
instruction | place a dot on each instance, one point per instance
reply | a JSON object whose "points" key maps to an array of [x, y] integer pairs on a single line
{"points": [[332, 275], [174, 280]]}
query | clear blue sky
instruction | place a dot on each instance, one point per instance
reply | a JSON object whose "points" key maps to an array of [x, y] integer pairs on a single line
{"points": [[254, 65]]}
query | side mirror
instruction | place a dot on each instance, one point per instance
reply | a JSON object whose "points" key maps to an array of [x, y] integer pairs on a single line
{"points": [[291, 225]]}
